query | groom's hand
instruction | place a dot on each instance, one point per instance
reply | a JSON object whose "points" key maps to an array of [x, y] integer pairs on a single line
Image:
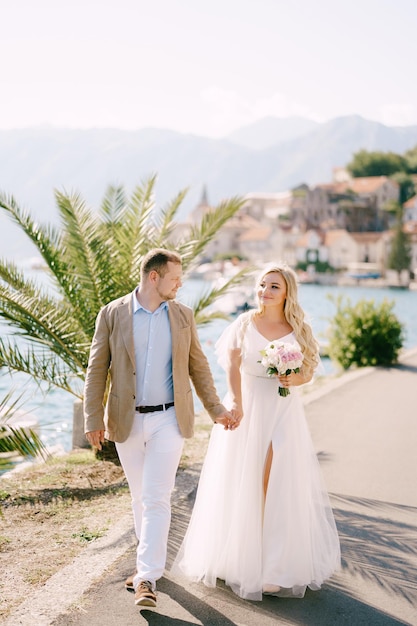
{"points": [[227, 420], [95, 438]]}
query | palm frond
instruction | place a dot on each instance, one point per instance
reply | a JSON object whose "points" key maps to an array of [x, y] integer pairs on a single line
{"points": [[9, 404], [31, 228], [17, 281], [204, 307], [113, 204], [131, 238], [164, 222], [49, 244], [46, 239], [79, 232], [24, 442], [109, 244], [199, 236], [203, 318], [45, 321], [43, 367]]}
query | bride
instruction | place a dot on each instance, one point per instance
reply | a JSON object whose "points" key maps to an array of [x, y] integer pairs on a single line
{"points": [[262, 520]]}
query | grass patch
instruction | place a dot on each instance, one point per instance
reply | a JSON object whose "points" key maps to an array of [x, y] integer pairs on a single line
{"points": [[4, 541], [38, 575], [89, 535], [50, 512]]}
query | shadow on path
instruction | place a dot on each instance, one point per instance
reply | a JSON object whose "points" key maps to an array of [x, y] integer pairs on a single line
{"points": [[379, 543], [379, 547], [379, 550]]}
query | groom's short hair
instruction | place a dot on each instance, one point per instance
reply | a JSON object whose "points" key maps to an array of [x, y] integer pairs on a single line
{"points": [[158, 259]]}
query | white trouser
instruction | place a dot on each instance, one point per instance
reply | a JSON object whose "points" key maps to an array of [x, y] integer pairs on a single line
{"points": [[150, 458]]}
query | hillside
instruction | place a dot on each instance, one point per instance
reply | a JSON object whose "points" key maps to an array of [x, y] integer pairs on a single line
{"points": [[35, 161]]}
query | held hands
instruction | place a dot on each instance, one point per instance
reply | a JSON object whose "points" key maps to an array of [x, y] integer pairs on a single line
{"points": [[95, 438], [237, 413], [225, 419], [230, 419]]}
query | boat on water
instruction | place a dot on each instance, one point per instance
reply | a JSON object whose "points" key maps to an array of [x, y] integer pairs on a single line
{"points": [[363, 275]]}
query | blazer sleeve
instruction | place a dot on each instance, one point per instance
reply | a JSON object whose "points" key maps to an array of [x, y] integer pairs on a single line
{"points": [[201, 376], [96, 376]]}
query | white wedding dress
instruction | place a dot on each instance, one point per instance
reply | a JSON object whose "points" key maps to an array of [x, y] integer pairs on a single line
{"points": [[289, 539]]}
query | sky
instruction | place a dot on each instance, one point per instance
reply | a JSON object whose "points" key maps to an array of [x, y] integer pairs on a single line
{"points": [[205, 67]]}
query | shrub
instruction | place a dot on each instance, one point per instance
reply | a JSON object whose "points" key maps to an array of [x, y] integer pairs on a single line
{"points": [[365, 334], [320, 267]]}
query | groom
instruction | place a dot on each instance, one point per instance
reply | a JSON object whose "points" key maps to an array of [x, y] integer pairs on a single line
{"points": [[147, 344]]}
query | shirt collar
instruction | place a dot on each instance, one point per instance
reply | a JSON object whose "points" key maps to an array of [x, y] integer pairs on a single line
{"points": [[137, 305]]}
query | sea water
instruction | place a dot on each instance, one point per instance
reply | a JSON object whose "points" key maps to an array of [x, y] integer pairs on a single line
{"points": [[54, 409]]}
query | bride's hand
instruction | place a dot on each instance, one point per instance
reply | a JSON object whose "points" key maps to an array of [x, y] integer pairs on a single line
{"points": [[237, 414], [292, 380]]}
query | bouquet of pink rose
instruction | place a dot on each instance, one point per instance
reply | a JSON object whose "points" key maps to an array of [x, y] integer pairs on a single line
{"points": [[281, 358]]}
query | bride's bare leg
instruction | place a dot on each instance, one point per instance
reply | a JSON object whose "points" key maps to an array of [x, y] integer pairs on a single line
{"points": [[267, 588], [267, 469]]}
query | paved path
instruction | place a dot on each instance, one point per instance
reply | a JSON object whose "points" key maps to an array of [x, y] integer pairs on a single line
{"points": [[364, 427]]}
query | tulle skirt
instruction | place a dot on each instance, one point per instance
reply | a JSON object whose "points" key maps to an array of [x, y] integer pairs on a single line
{"points": [[288, 538]]}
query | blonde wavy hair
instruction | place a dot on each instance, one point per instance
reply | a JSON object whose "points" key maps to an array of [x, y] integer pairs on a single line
{"points": [[294, 315]]}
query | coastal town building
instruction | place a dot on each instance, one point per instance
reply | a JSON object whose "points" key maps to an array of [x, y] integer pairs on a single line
{"points": [[339, 248], [268, 206], [410, 228], [339, 224], [356, 204], [410, 210]]}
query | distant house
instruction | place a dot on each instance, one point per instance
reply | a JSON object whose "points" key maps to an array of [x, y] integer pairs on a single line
{"points": [[380, 188], [372, 248], [340, 248], [410, 210], [354, 204], [310, 248], [340, 223], [268, 239], [253, 233], [255, 241], [268, 206], [336, 247], [410, 227], [264, 244], [228, 239], [242, 235], [362, 202]]}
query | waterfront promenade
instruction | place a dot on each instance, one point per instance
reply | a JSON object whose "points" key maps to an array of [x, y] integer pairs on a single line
{"points": [[364, 427]]}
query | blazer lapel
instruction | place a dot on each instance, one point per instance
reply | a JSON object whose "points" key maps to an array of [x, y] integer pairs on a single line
{"points": [[126, 325], [174, 321]]}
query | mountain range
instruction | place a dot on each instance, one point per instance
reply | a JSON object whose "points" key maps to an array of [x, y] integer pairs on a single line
{"points": [[270, 155]]}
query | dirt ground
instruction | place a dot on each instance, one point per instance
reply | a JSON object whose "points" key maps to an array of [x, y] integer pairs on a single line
{"points": [[51, 511]]}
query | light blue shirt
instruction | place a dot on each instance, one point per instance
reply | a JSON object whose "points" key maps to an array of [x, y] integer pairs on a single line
{"points": [[153, 354]]}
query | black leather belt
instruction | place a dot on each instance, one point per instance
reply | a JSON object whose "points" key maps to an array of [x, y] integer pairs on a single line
{"points": [[152, 409]]}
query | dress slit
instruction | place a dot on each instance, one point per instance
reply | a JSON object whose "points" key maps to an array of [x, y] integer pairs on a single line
{"points": [[267, 468]]}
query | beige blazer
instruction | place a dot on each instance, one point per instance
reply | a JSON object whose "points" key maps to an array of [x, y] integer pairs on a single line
{"points": [[112, 352]]}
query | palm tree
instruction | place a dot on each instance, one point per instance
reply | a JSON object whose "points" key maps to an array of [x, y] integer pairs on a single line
{"points": [[94, 257], [16, 440]]}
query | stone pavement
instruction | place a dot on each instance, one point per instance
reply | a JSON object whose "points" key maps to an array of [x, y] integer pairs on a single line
{"points": [[364, 427]]}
